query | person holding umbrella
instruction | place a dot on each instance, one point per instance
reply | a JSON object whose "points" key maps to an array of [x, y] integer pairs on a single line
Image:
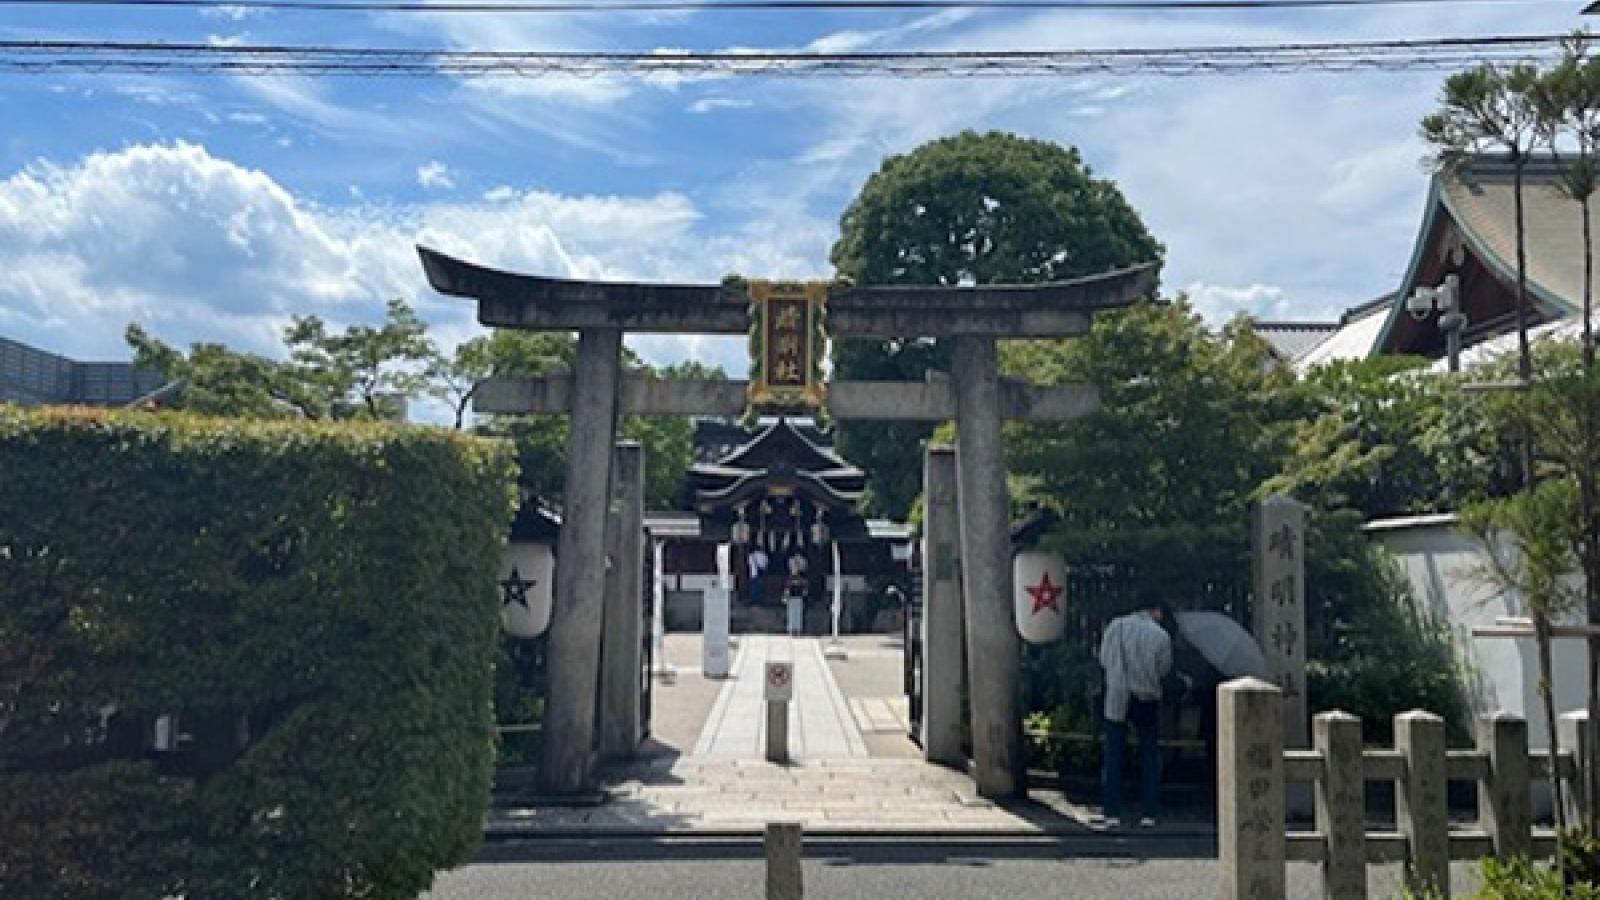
{"points": [[1136, 653]]}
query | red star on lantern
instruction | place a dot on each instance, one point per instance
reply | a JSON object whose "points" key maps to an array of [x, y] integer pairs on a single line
{"points": [[1045, 595]]}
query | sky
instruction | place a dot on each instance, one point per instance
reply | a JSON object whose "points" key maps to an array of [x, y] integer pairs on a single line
{"points": [[213, 208]]}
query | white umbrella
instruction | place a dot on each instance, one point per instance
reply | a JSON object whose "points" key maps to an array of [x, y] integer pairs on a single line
{"points": [[1224, 643]]}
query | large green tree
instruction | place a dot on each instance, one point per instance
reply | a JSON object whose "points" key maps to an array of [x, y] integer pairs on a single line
{"points": [[972, 208]]}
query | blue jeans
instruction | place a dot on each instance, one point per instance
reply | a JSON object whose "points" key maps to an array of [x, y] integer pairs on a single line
{"points": [[1149, 767]]}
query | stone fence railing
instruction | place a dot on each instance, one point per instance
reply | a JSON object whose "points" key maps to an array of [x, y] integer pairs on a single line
{"points": [[1254, 843]]}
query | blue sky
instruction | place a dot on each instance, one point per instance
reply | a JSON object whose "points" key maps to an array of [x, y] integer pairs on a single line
{"points": [[213, 208]]}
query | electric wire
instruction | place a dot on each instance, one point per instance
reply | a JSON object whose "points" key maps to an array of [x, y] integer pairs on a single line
{"points": [[36, 57]]}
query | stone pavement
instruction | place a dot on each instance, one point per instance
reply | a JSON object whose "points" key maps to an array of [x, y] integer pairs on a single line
{"points": [[820, 722], [703, 795]]}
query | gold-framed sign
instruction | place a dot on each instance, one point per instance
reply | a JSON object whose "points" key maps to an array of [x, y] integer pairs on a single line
{"points": [[788, 340]]}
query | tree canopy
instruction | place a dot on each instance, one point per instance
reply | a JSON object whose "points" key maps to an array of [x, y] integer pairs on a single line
{"points": [[972, 208]]}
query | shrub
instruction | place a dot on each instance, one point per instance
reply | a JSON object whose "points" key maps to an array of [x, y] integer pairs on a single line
{"points": [[316, 607]]}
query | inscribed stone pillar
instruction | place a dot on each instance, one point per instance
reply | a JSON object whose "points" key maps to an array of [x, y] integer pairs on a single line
{"points": [[621, 642], [1251, 844], [1278, 542], [942, 667], [573, 658], [993, 647]]}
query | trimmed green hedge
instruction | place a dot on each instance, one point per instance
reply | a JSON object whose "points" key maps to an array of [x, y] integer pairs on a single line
{"points": [[314, 603]]}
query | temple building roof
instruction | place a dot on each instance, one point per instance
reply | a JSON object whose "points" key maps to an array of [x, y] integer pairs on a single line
{"points": [[780, 461], [1468, 229]]}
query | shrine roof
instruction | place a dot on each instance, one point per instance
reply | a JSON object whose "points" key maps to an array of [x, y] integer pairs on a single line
{"points": [[1471, 208], [778, 459]]}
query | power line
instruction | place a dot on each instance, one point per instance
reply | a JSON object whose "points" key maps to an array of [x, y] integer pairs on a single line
{"points": [[599, 6], [36, 57]]}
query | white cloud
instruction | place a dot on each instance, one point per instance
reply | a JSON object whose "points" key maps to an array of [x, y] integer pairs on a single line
{"points": [[200, 248], [232, 13], [714, 103], [435, 175], [1217, 303]]}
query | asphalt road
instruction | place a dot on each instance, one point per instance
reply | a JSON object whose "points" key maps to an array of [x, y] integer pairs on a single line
{"points": [[642, 870]]}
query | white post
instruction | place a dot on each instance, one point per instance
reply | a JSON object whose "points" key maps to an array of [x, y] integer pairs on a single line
{"points": [[714, 662], [658, 615], [835, 649]]}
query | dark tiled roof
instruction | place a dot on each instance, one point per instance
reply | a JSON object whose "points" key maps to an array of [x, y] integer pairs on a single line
{"points": [[1293, 340]]}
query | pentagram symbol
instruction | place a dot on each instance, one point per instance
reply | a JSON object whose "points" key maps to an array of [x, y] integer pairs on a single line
{"points": [[515, 590], [1044, 595]]}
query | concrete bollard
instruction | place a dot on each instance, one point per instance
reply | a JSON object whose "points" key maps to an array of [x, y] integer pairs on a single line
{"points": [[778, 731], [779, 690], [782, 844]]}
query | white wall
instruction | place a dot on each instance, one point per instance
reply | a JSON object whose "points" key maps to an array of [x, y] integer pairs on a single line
{"points": [[1439, 559]]}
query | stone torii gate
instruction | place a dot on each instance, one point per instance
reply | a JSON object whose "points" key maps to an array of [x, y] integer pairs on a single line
{"points": [[975, 395]]}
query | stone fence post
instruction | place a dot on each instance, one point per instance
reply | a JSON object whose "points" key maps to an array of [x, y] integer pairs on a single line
{"points": [[1420, 804], [1505, 805], [1250, 819], [1578, 733], [1341, 803]]}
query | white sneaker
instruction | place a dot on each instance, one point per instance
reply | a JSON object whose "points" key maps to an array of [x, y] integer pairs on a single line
{"points": [[1107, 821], [1147, 822]]}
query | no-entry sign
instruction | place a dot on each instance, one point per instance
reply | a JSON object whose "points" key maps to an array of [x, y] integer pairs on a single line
{"points": [[780, 681]]}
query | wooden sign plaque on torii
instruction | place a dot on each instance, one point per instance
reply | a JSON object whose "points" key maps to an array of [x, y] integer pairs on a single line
{"points": [[975, 395]]}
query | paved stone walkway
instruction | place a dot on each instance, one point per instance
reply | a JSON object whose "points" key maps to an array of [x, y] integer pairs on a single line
{"points": [[709, 795], [821, 725]]}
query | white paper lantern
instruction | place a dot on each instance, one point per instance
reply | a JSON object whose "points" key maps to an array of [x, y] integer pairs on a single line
{"points": [[1040, 582], [527, 582]]}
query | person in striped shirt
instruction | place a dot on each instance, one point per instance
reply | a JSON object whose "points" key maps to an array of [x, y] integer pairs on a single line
{"points": [[1136, 653]]}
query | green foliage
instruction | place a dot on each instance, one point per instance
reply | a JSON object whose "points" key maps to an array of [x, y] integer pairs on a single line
{"points": [[364, 368], [1519, 878], [316, 605], [985, 208], [1528, 539], [1385, 439], [1189, 425], [222, 382]]}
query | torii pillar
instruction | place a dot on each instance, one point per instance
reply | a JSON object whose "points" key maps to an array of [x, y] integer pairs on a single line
{"points": [[993, 646], [573, 655], [975, 317]]}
